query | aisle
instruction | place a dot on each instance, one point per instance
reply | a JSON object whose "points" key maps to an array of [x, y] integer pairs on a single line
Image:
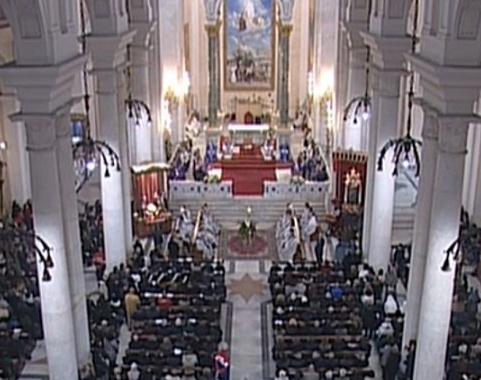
{"points": [[248, 293]]}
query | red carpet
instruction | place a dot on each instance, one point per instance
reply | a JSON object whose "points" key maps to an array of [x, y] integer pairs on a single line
{"points": [[248, 172]]}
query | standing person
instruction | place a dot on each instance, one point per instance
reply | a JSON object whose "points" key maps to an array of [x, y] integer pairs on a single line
{"points": [[222, 363], [132, 303], [320, 249]]}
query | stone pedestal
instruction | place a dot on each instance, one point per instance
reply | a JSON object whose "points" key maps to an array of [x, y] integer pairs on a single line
{"points": [[421, 227]]}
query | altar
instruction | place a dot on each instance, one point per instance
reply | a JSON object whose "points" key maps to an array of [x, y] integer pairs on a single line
{"points": [[246, 134]]}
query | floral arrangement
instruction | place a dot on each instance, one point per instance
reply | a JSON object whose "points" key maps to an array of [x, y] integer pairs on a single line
{"points": [[297, 180], [212, 179]]}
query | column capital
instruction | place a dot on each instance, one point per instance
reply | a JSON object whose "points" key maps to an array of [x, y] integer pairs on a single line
{"points": [[386, 82], [285, 29], [143, 31], [387, 52], [109, 51], [212, 29], [451, 90], [453, 134], [42, 89], [42, 130]]}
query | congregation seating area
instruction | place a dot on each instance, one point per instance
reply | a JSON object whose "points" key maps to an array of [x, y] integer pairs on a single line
{"points": [[20, 319], [317, 321], [176, 330]]}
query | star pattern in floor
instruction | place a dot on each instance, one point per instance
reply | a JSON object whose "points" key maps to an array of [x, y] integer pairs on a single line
{"points": [[247, 287]]}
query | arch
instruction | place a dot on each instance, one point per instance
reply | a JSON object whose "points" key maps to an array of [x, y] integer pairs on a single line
{"points": [[28, 25], [467, 23], [107, 17], [139, 11], [248, 118]]}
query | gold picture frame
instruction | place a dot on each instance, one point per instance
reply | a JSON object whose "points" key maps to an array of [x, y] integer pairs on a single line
{"points": [[244, 73]]}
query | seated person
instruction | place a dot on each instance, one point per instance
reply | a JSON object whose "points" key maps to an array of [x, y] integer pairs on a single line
{"points": [[208, 221], [185, 224], [268, 151], [199, 168]]}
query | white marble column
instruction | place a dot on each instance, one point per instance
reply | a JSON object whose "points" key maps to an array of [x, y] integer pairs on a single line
{"points": [[382, 207], [57, 312], [141, 91], [72, 237], [421, 227], [356, 87], [438, 286], [125, 162], [155, 79], [109, 130]]}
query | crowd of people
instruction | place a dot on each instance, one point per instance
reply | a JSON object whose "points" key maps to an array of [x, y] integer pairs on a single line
{"points": [[20, 317], [174, 317], [325, 316]]}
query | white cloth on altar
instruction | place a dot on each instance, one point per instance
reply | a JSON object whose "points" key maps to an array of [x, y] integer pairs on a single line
{"points": [[234, 127]]}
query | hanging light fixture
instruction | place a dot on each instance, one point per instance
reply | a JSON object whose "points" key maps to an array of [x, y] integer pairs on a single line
{"points": [[360, 106], [137, 110], [13, 238], [89, 153], [405, 148]]}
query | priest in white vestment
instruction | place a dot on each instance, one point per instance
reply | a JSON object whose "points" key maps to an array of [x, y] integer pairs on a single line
{"points": [[185, 225], [288, 245], [308, 230]]}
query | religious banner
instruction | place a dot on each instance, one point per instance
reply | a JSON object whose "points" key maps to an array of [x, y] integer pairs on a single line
{"points": [[350, 168], [249, 44]]}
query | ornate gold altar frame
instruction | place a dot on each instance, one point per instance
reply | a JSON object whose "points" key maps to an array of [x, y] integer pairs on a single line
{"points": [[270, 87]]}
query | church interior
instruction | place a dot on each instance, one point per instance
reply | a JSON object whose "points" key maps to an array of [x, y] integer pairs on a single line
{"points": [[240, 189]]}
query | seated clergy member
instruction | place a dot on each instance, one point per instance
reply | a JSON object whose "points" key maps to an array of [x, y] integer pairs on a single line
{"points": [[208, 221], [185, 224]]}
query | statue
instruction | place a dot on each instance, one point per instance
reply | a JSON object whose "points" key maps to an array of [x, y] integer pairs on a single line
{"points": [[353, 188]]}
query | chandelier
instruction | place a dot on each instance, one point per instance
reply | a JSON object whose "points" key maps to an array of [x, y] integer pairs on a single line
{"points": [[137, 110], [405, 148], [360, 106], [13, 239], [89, 153]]}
